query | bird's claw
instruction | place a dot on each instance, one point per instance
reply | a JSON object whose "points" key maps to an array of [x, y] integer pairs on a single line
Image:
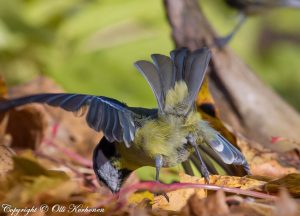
{"points": [[164, 195]]}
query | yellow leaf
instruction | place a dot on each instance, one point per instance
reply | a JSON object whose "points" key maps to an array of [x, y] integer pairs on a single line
{"points": [[138, 197], [30, 167], [204, 95], [179, 198], [236, 182]]}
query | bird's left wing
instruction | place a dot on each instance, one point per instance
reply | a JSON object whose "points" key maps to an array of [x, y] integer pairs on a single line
{"points": [[103, 114]]}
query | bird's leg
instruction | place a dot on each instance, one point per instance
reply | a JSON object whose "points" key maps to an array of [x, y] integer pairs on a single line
{"points": [[204, 171], [222, 41], [158, 165]]}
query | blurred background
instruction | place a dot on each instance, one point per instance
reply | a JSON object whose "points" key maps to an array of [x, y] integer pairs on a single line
{"points": [[89, 46]]}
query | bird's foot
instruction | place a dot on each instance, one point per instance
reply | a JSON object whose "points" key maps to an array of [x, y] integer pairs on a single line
{"points": [[164, 194]]}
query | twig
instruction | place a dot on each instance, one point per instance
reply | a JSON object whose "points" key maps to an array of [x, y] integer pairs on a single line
{"points": [[155, 187]]}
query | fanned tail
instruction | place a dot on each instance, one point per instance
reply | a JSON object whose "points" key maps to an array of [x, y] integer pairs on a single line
{"points": [[183, 65]]}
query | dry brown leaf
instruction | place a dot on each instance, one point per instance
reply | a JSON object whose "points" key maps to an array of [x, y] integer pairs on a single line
{"points": [[30, 183], [286, 205], [236, 182], [179, 198], [262, 161], [6, 161], [291, 157], [226, 181], [214, 205], [251, 209], [72, 132], [27, 127], [291, 182]]}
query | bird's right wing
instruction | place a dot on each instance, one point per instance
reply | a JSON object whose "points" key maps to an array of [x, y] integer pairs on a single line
{"points": [[103, 114], [222, 147]]}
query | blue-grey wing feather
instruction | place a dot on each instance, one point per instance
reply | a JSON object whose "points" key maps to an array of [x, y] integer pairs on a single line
{"points": [[224, 149], [104, 114]]}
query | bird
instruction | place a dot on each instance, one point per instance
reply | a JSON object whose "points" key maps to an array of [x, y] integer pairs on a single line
{"points": [[164, 136], [248, 8]]}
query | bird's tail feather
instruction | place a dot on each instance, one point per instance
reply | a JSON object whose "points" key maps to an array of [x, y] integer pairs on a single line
{"points": [[183, 65]]}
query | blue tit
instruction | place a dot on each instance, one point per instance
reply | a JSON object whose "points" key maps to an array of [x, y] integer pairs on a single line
{"points": [[161, 137]]}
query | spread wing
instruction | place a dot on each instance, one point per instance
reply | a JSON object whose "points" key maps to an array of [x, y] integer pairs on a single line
{"points": [[222, 148], [114, 118]]}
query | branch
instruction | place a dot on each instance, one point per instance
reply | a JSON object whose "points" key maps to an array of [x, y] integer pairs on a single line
{"points": [[245, 102]]}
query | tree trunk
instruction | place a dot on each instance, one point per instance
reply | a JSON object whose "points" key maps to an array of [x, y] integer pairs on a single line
{"points": [[245, 102]]}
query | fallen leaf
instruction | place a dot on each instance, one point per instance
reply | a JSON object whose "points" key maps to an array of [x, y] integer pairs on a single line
{"points": [[291, 182], [286, 205], [25, 166], [73, 132], [139, 197], [30, 183], [6, 159], [205, 101], [179, 198], [244, 183], [214, 205], [262, 161], [27, 126]]}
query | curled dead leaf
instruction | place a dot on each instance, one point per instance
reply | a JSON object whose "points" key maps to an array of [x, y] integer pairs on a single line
{"points": [[291, 182], [214, 205], [72, 132], [286, 205], [27, 126], [262, 161]]}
